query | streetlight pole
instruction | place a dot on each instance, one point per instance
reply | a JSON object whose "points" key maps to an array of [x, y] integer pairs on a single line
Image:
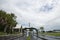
{"points": [[29, 25], [21, 29]]}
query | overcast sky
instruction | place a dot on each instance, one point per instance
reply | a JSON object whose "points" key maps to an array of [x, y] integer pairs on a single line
{"points": [[38, 12]]}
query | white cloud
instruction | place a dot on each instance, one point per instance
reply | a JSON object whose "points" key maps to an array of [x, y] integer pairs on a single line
{"points": [[30, 11]]}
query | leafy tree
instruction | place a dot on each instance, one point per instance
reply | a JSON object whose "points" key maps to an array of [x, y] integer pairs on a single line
{"points": [[7, 21]]}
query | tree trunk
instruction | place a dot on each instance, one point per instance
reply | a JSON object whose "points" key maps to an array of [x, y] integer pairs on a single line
{"points": [[5, 29]]}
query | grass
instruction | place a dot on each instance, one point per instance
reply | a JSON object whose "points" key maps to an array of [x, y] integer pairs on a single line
{"points": [[13, 34], [2, 33], [52, 34], [28, 38]]}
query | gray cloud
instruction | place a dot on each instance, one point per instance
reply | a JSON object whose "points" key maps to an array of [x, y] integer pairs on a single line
{"points": [[46, 8]]}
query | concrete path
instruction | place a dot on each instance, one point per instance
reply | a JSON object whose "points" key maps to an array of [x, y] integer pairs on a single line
{"points": [[12, 37], [41, 37], [49, 37]]}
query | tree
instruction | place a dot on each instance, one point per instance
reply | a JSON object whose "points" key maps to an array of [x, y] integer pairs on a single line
{"points": [[7, 21], [2, 19]]}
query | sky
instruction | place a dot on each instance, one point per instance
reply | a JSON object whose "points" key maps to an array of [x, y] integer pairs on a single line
{"points": [[38, 13]]}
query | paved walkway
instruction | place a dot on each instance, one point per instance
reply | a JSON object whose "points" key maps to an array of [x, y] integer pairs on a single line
{"points": [[11, 37], [49, 37]]}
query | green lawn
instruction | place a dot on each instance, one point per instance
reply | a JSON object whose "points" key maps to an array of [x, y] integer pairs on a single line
{"points": [[2, 33], [28, 38], [52, 34], [13, 34]]}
